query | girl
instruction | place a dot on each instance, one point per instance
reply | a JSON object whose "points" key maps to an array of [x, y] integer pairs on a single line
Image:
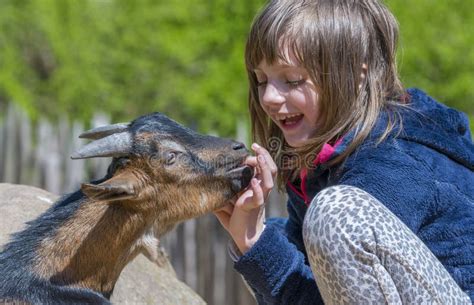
{"points": [[380, 180]]}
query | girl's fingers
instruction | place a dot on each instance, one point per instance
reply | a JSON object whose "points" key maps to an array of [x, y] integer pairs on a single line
{"points": [[257, 198], [251, 198], [265, 174], [266, 168], [251, 161], [259, 150], [245, 197]]}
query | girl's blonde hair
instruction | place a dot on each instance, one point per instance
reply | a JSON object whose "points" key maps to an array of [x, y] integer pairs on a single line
{"points": [[332, 39]]}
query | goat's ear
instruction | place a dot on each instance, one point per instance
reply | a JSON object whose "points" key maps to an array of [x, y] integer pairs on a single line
{"points": [[119, 187]]}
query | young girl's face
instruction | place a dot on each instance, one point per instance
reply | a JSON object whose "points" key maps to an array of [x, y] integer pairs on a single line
{"points": [[289, 98]]}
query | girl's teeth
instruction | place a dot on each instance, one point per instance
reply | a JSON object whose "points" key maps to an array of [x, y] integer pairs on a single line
{"points": [[288, 116], [291, 119]]}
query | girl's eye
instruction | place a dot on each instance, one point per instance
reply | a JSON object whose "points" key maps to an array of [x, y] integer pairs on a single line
{"points": [[295, 83], [260, 78]]}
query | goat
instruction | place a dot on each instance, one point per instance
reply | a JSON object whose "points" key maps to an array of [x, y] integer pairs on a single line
{"points": [[161, 174]]}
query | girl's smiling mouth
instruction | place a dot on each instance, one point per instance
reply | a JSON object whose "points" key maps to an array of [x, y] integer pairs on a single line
{"points": [[290, 120]]}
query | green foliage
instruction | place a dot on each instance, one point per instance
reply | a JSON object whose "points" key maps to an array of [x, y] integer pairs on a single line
{"points": [[436, 49], [127, 58], [185, 58]]}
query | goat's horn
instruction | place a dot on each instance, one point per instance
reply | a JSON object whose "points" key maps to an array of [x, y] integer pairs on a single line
{"points": [[115, 145], [103, 131]]}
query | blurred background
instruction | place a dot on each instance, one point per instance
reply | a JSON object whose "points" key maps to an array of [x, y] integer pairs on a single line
{"points": [[69, 65]]}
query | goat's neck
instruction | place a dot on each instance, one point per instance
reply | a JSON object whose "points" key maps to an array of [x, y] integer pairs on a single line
{"points": [[92, 247]]}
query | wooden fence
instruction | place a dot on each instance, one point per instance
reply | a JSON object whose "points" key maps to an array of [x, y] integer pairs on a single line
{"points": [[38, 154]]}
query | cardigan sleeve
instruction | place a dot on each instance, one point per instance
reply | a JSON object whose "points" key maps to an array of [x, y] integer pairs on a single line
{"points": [[276, 269]]}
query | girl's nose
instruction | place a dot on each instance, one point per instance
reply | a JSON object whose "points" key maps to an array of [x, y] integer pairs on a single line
{"points": [[272, 95]]}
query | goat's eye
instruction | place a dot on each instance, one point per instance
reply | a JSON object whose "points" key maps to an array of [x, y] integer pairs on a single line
{"points": [[171, 157]]}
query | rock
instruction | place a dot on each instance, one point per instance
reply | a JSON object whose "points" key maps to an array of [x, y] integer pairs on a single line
{"points": [[141, 282]]}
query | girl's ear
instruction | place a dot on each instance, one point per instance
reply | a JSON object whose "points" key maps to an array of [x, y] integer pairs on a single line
{"points": [[121, 187]]}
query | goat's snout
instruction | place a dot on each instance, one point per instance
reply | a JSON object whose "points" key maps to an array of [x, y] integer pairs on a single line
{"points": [[241, 177]]}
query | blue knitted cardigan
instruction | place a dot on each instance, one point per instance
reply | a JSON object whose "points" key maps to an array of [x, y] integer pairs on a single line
{"points": [[424, 175]]}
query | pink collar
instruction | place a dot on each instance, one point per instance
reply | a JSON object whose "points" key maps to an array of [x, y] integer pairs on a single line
{"points": [[324, 155]]}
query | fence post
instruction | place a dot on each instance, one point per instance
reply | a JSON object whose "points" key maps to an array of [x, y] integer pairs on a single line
{"points": [[205, 256], [11, 146], [74, 170], [190, 253], [49, 157], [26, 148]]}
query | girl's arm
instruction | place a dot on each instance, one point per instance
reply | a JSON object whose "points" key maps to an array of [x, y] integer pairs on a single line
{"points": [[271, 262], [277, 271]]}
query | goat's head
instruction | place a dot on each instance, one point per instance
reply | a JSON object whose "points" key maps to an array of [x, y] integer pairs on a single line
{"points": [[164, 168]]}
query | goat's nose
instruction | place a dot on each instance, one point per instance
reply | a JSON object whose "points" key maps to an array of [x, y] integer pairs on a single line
{"points": [[238, 146]]}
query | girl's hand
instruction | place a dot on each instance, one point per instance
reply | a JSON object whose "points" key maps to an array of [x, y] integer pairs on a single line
{"points": [[244, 219]]}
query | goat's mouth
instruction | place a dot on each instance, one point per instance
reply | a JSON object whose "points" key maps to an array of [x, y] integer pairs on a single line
{"points": [[240, 177]]}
